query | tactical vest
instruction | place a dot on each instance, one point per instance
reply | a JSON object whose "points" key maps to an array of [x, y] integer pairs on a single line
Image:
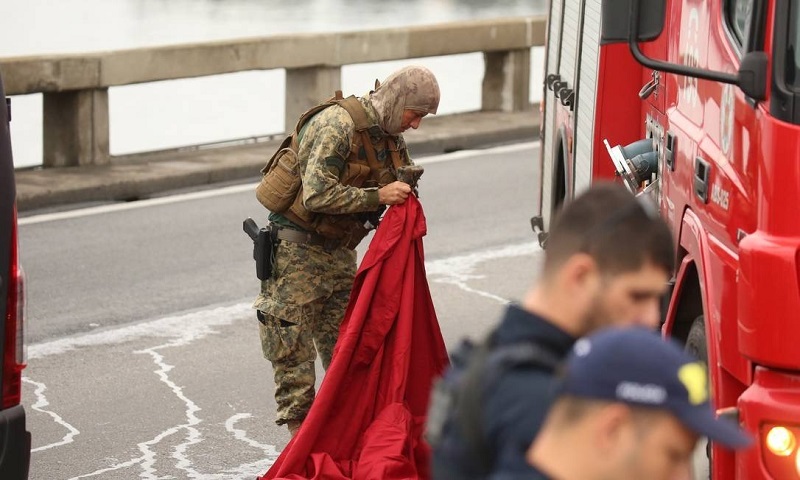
{"points": [[281, 188]]}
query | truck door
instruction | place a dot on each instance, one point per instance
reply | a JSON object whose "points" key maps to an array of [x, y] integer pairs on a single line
{"points": [[569, 99]]}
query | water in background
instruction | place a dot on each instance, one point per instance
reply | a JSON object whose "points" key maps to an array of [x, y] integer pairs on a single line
{"points": [[233, 106]]}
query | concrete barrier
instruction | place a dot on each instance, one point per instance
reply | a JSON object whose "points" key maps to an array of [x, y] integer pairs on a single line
{"points": [[142, 176], [75, 86]]}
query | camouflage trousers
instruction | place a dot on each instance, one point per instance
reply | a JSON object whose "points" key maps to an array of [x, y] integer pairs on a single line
{"points": [[299, 311]]}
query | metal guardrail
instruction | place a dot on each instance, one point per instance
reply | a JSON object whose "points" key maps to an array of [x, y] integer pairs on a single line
{"points": [[75, 86]]}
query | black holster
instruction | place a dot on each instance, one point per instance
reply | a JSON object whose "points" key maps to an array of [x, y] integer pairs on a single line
{"points": [[264, 244]]}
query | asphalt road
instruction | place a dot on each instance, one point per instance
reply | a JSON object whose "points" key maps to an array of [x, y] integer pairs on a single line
{"points": [[144, 359]]}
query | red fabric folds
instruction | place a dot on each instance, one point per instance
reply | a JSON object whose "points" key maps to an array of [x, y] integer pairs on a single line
{"points": [[367, 420]]}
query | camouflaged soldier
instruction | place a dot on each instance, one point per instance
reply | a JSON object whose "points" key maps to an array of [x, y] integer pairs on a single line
{"points": [[348, 152]]}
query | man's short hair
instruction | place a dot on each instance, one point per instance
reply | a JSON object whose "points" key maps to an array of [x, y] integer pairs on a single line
{"points": [[619, 231], [570, 409]]}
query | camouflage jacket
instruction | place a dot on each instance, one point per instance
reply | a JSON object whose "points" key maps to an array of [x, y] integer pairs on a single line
{"points": [[328, 141]]}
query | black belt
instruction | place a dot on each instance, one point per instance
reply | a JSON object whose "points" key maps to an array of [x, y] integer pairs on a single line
{"points": [[297, 236]]}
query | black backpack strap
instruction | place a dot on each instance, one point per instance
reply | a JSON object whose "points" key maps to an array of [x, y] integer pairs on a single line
{"points": [[484, 369], [523, 353], [469, 410]]}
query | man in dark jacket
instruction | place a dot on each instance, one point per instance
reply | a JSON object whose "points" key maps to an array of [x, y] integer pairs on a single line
{"points": [[609, 257]]}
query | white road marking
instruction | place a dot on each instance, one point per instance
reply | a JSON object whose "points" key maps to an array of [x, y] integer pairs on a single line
{"points": [[114, 468], [38, 405], [455, 270], [185, 329], [238, 434], [195, 325], [193, 435], [235, 189], [242, 472], [458, 270]]}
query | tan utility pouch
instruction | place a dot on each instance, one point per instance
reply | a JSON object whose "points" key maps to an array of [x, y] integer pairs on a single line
{"points": [[333, 226], [299, 214], [281, 180]]}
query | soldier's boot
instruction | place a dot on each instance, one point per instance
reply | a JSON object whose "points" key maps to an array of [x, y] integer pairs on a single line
{"points": [[293, 426]]}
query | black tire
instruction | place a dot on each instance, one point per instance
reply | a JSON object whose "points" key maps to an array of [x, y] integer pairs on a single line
{"points": [[697, 347], [696, 341]]}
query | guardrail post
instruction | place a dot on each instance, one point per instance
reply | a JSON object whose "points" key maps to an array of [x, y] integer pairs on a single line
{"points": [[306, 87], [76, 128], [506, 81]]}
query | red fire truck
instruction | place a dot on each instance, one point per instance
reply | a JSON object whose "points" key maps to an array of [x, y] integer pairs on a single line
{"points": [[696, 103]]}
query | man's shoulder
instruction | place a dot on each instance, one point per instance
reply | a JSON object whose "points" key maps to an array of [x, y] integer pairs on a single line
{"points": [[530, 385], [331, 129], [335, 116]]}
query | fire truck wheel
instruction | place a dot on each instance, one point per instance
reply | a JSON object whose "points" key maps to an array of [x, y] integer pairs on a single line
{"points": [[696, 346], [696, 341]]}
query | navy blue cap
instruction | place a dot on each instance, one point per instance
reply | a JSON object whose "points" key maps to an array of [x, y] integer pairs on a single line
{"points": [[637, 367]]}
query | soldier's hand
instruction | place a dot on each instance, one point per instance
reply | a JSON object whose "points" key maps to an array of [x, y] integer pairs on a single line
{"points": [[394, 193]]}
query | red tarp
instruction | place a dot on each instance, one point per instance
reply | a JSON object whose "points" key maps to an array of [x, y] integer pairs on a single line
{"points": [[367, 419]]}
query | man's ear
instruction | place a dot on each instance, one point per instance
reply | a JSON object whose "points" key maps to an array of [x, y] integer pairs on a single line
{"points": [[614, 423], [579, 271]]}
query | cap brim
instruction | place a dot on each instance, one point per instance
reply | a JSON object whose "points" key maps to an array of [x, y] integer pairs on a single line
{"points": [[720, 430]]}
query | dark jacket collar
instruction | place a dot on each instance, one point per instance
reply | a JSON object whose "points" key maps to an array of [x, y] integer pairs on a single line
{"points": [[519, 325]]}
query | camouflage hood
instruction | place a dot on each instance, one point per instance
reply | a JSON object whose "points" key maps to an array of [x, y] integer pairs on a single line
{"points": [[410, 88]]}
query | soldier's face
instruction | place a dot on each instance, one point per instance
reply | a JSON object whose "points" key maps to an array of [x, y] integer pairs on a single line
{"points": [[411, 119]]}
